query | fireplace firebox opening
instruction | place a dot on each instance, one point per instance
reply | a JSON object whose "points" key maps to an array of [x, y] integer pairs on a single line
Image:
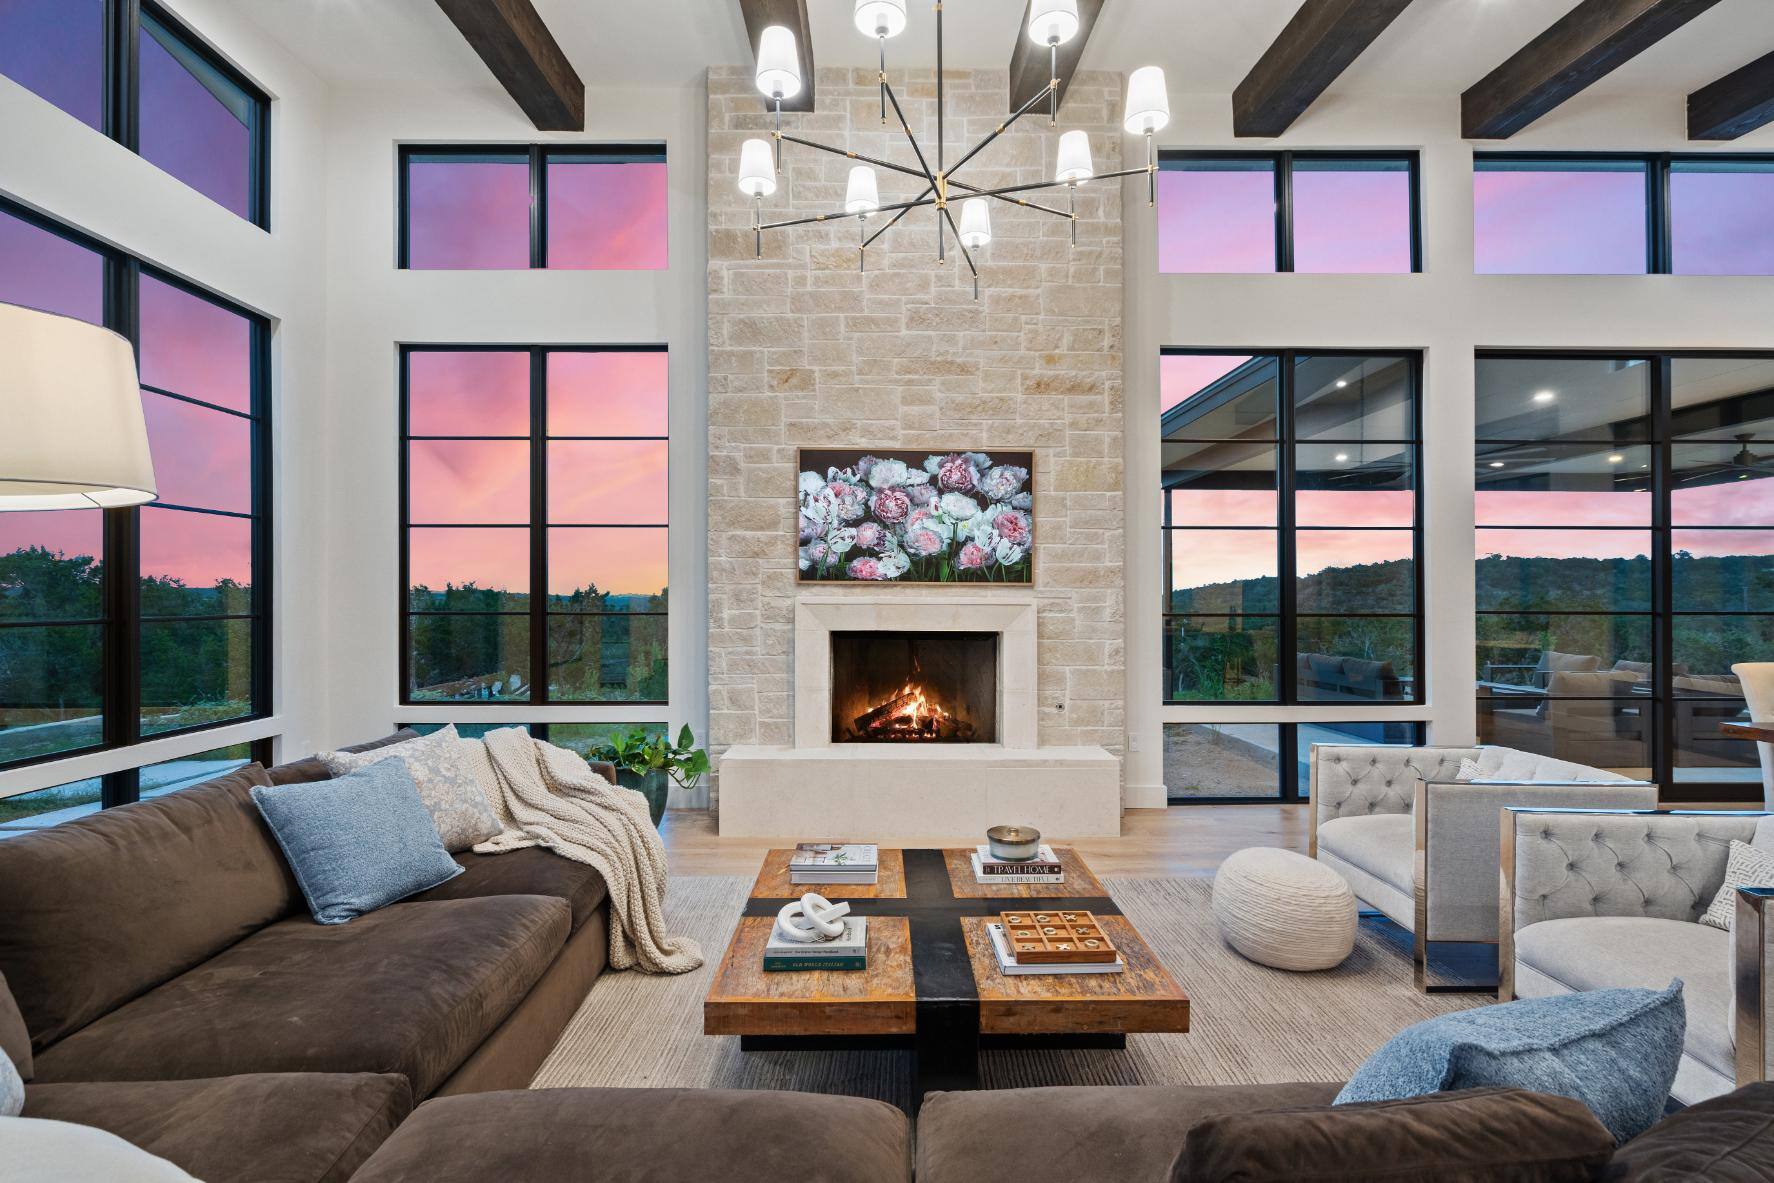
{"points": [[904, 687]]}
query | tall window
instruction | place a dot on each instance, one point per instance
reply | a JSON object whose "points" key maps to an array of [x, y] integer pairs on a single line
{"points": [[1291, 527], [1205, 763], [1626, 525], [120, 624], [1623, 214], [128, 69], [534, 525], [1334, 212], [516, 207]]}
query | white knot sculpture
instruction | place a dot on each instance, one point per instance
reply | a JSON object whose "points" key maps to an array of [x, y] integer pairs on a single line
{"points": [[811, 918]]}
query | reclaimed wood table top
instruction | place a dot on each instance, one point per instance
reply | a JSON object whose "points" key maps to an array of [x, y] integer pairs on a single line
{"points": [[930, 960]]}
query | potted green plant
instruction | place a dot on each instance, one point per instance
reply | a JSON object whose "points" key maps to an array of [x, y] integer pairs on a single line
{"points": [[650, 764]]}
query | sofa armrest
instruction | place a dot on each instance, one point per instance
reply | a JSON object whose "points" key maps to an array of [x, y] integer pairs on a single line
{"points": [[603, 769], [1751, 935], [1362, 779], [1458, 844]]}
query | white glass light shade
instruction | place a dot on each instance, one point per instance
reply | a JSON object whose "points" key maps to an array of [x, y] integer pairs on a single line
{"points": [[880, 18], [1074, 158], [74, 435], [779, 66], [976, 223], [862, 195], [757, 169], [1053, 22], [1148, 103]]}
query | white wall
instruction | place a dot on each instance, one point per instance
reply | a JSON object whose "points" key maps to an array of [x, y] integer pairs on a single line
{"points": [[57, 165], [1447, 311], [373, 308]]}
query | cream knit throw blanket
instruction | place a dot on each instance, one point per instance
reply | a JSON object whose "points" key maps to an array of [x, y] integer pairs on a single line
{"points": [[548, 796]]}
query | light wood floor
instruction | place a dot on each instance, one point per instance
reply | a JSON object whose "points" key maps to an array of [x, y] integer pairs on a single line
{"points": [[1181, 840]]}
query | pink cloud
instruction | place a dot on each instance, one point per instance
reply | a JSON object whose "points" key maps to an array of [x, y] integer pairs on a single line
{"points": [[607, 483], [470, 482], [1201, 558], [1367, 507], [622, 562], [1316, 550], [607, 394], [68, 532], [1350, 222], [468, 215], [1559, 222], [1511, 507], [195, 348], [1216, 221], [202, 457], [1732, 503], [1222, 507], [607, 216], [438, 558], [1183, 375], [199, 549], [459, 393]]}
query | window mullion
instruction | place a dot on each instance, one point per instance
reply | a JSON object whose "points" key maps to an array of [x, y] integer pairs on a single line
{"points": [[539, 525], [538, 208], [1662, 735], [1284, 211], [1286, 597]]}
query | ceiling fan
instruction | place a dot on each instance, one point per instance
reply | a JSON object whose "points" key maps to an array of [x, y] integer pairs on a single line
{"points": [[1744, 462]]}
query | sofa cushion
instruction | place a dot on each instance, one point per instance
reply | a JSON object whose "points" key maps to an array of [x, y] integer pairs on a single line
{"points": [[15, 1040], [1129, 1134], [313, 768], [273, 1127], [412, 988], [1728, 1139], [1475, 1136], [103, 908], [527, 871], [1384, 844], [737, 1136], [1596, 952]]}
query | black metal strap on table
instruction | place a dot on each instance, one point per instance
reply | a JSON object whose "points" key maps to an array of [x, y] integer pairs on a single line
{"points": [[947, 998]]}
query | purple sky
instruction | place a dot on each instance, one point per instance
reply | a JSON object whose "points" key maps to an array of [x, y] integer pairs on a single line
{"points": [[1568, 223], [188, 132], [57, 49]]}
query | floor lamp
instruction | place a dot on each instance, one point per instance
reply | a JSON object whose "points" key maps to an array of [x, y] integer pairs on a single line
{"points": [[72, 434]]}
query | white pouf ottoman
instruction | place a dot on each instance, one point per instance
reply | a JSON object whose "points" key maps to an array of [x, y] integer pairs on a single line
{"points": [[1282, 909]]}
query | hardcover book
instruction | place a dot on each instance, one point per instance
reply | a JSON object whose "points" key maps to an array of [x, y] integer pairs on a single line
{"points": [[1007, 963], [853, 942], [981, 875], [1044, 863]]}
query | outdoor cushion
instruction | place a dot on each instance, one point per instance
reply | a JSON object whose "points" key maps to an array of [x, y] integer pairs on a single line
{"points": [[529, 871], [272, 1127], [1129, 1134], [1616, 1051], [734, 1135], [1383, 844], [104, 908], [1595, 952], [412, 988]]}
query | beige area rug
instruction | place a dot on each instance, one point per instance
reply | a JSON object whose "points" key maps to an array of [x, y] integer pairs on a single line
{"points": [[1250, 1024]]}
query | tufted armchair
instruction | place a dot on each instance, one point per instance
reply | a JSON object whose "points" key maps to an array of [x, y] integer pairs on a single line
{"points": [[1597, 898], [1421, 846]]}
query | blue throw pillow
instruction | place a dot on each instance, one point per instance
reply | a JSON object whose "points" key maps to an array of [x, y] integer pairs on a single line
{"points": [[358, 841], [1614, 1050]]}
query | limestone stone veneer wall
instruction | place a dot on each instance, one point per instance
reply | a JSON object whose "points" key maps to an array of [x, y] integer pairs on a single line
{"points": [[806, 351]]}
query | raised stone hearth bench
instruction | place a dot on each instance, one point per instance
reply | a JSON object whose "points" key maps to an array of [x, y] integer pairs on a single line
{"points": [[897, 792]]}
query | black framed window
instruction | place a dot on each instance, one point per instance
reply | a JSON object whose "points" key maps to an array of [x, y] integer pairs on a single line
{"points": [[39, 809], [577, 736], [534, 524], [1623, 213], [1625, 513], [129, 69], [1292, 531], [122, 624], [512, 207], [1220, 763], [1325, 212]]}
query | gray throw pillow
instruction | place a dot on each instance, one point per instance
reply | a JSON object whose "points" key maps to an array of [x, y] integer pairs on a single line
{"points": [[1614, 1050], [357, 842], [445, 779]]}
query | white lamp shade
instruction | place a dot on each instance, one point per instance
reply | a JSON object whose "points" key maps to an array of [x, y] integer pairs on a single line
{"points": [[757, 169], [1074, 158], [862, 195], [1053, 22], [976, 223], [880, 18], [74, 436], [1148, 103], [779, 66]]}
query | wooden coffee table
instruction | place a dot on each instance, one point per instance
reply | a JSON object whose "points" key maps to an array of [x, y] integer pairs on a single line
{"points": [[932, 984]]}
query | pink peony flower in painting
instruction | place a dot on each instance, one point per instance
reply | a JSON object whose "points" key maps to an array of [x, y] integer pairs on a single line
{"points": [[939, 517]]}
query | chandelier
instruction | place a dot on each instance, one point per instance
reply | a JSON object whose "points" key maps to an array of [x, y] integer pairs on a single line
{"points": [[1051, 23]]}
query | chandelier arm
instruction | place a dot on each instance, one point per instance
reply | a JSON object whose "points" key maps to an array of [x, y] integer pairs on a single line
{"points": [[976, 191], [965, 253], [839, 215], [939, 98], [910, 138], [1000, 130], [1126, 172], [886, 164], [892, 222]]}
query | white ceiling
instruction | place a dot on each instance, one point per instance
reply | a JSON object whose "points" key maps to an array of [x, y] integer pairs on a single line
{"points": [[1205, 46]]}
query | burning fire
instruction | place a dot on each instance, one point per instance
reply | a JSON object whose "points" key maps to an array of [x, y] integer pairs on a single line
{"points": [[910, 713], [916, 706]]}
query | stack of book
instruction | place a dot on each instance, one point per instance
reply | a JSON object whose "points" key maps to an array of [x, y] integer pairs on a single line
{"points": [[1007, 963], [848, 950], [834, 862], [1043, 868]]}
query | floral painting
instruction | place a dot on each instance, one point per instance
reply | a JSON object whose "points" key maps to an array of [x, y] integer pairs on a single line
{"points": [[917, 517]]}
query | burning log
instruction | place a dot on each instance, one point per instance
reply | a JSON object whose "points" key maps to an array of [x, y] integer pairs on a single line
{"points": [[885, 714]]}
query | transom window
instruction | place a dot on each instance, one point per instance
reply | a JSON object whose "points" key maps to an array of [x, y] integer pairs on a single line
{"points": [[534, 521]]}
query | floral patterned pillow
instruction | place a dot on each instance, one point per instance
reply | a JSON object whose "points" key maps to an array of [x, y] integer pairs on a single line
{"points": [[445, 777]]}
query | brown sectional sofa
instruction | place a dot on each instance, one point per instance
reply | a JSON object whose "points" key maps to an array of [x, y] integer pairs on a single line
{"points": [[176, 992]]}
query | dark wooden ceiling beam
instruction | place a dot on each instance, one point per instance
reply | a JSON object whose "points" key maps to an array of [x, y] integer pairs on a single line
{"points": [[760, 15], [1588, 42], [517, 47], [1030, 63], [1740, 102], [1319, 43]]}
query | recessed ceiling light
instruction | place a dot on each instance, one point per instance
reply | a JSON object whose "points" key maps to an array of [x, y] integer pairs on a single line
{"points": [[1644, 466], [1616, 458], [1341, 383], [1342, 457], [1544, 396], [1496, 464]]}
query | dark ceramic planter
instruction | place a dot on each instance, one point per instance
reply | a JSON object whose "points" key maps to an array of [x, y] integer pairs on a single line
{"points": [[653, 785]]}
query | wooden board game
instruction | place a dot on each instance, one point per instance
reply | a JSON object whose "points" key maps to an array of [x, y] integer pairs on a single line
{"points": [[1070, 937]]}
